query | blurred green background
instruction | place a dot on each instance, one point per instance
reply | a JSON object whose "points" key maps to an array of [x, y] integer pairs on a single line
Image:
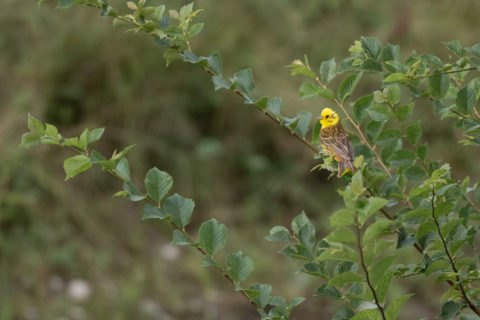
{"points": [[71, 251]]}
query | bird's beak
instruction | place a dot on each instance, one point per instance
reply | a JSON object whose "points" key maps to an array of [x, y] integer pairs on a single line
{"points": [[319, 118]]}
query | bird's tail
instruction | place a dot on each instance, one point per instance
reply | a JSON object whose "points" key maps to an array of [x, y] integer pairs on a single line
{"points": [[344, 165]]}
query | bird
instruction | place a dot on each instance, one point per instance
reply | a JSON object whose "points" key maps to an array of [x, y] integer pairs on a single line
{"points": [[336, 141]]}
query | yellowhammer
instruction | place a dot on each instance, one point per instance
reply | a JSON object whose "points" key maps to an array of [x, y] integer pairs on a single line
{"points": [[336, 141]]}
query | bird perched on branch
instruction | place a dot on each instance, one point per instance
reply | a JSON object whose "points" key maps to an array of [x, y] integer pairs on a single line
{"points": [[336, 141]]}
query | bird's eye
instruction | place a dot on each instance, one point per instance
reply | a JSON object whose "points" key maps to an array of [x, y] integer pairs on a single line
{"points": [[326, 116]]}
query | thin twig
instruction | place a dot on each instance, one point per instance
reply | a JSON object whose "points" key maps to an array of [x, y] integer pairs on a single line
{"points": [[438, 74]]}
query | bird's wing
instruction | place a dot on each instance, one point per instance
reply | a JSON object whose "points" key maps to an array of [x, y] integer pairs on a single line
{"points": [[340, 145]]}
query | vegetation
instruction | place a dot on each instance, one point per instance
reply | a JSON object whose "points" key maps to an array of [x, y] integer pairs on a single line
{"points": [[397, 200]]}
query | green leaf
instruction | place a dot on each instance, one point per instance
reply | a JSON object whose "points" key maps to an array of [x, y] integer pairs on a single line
{"points": [[244, 81], [422, 151], [390, 148], [466, 100], [414, 132], [172, 55], [328, 71], [299, 221], [264, 294], [450, 309], [123, 169], [404, 111], [393, 94], [382, 286], [195, 29], [220, 83], [357, 183], [239, 266], [360, 107], [158, 184], [338, 252], [402, 158], [30, 140], [306, 235], [212, 236], [387, 136], [180, 239], [316, 133], [152, 212], [296, 301], [51, 131], [209, 262], [436, 266], [373, 129], [425, 229], [347, 86], [330, 292], [35, 125], [374, 204], [367, 314], [76, 165], [392, 310], [380, 112], [164, 43], [303, 124], [371, 46], [299, 67], [342, 234], [179, 209], [65, 4], [132, 191], [344, 278], [342, 217], [215, 63], [395, 77], [186, 10], [95, 135], [379, 269], [455, 47], [343, 314], [377, 229], [438, 84], [278, 233], [311, 91], [274, 106]]}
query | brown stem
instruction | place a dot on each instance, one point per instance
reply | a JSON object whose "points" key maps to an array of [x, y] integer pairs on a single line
{"points": [[452, 261], [365, 269]]}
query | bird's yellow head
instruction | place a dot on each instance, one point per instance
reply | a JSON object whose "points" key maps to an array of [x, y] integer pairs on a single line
{"points": [[328, 118]]}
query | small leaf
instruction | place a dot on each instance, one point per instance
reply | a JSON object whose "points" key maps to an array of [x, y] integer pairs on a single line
{"points": [[65, 4], [393, 94], [30, 140], [343, 314], [438, 84], [347, 86], [374, 204], [456, 47], [239, 266], [379, 269], [342, 217], [179, 209], [328, 71], [414, 132], [360, 107], [344, 278], [244, 81], [278, 233], [387, 136], [158, 184], [394, 77], [51, 131], [274, 106], [171, 55], [220, 83], [306, 235], [195, 29], [152, 212], [95, 135], [330, 292], [180, 239], [215, 62], [466, 100], [382, 285], [212, 236], [371, 46], [209, 262], [311, 91], [123, 169], [76, 165], [377, 229], [404, 111], [392, 310], [380, 112], [367, 314], [450, 309], [35, 125], [402, 158], [303, 124]]}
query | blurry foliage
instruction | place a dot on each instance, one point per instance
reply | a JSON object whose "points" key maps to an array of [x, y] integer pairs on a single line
{"points": [[69, 71]]}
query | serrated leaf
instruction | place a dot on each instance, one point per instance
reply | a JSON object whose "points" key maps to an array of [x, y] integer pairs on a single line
{"points": [[123, 169], [343, 314], [342, 234], [215, 62], [158, 183], [357, 183], [414, 132], [212, 236], [220, 83], [387, 136], [371, 46], [179, 209], [425, 229], [342, 217], [379, 112], [132, 191], [95, 135], [311, 91], [306, 235], [330, 292], [339, 252], [438, 84], [466, 100], [244, 81], [373, 129], [65, 4], [303, 124], [374, 204], [377, 229], [395, 77], [171, 55], [379, 269], [195, 29], [382, 285], [152, 212], [344, 278], [209, 262], [392, 310], [75, 165], [436, 266], [455, 47], [360, 107], [402, 158], [367, 314], [30, 140], [165, 43], [278, 233], [35, 126], [51, 131], [180, 239], [450, 309], [239, 266], [347, 86], [299, 221], [264, 294], [404, 111], [328, 71], [393, 94], [274, 106]]}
